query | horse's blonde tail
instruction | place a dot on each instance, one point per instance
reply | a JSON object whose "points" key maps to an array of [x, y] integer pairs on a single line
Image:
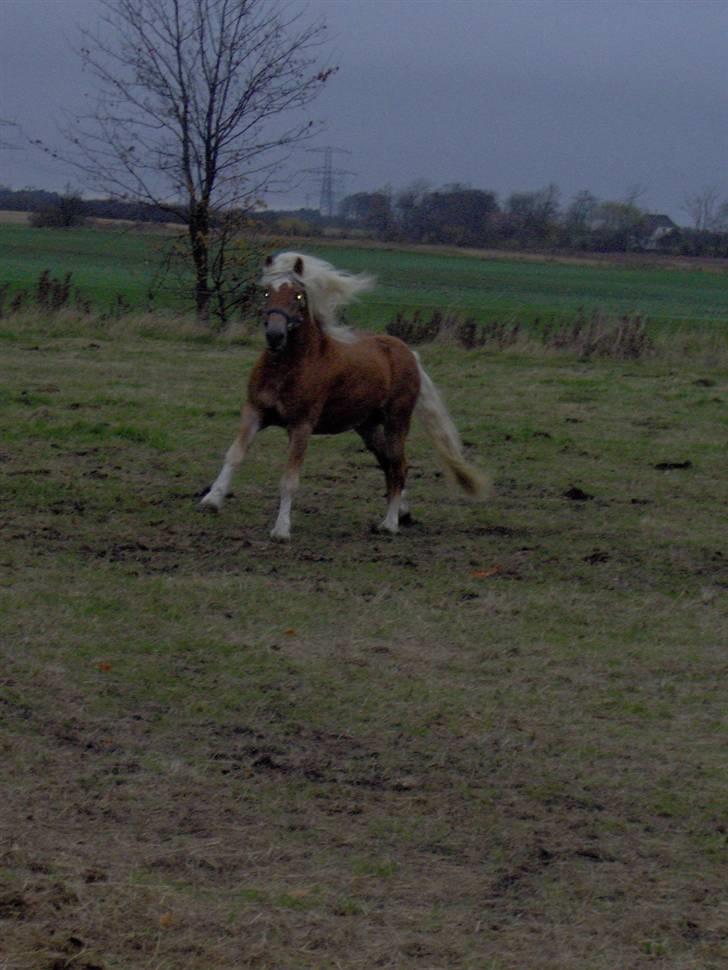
{"points": [[446, 441]]}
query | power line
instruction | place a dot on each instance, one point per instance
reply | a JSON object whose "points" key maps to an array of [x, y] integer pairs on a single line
{"points": [[6, 145], [330, 177]]}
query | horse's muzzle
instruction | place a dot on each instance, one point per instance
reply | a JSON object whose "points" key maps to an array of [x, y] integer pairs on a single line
{"points": [[276, 340], [276, 329], [278, 324]]}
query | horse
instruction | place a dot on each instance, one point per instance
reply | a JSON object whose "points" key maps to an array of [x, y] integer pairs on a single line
{"points": [[316, 377]]}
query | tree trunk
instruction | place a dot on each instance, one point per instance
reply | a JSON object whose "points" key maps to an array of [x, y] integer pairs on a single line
{"points": [[199, 227]]}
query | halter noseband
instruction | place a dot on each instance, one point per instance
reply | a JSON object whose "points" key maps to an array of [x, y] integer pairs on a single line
{"points": [[291, 321]]}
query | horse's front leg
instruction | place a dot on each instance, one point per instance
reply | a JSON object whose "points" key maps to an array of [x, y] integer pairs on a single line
{"points": [[298, 438], [249, 426]]}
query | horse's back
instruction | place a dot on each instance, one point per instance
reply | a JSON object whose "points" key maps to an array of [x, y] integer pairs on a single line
{"points": [[388, 351]]}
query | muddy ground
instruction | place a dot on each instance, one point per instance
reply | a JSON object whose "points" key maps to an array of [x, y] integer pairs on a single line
{"points": [[495, 740]]}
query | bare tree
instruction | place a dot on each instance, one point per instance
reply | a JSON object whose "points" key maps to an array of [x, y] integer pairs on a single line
{"points": [[703, 208], [199, 103], [580, 213], [533, 214], [634, 194], [617, 225], [721, 218]]}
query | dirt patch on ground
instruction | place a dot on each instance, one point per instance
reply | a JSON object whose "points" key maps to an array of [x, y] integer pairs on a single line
{"points": [[493, 740], [299, 847]]}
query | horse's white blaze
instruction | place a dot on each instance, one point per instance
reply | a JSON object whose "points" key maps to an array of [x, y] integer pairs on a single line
{"points": [[327, 288]]}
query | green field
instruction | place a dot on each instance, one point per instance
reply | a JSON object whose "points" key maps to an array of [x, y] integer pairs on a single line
{"points": [[496, 741], [511, 289], [106, 264]]}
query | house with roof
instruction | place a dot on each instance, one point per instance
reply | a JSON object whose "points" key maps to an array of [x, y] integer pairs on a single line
{"points": [[652, 229]]}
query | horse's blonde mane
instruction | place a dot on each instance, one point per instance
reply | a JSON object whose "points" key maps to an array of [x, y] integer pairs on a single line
{"points": [[327, 288]]}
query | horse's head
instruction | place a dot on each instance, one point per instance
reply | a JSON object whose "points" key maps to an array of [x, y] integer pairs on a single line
{"points": [[285, 309]]}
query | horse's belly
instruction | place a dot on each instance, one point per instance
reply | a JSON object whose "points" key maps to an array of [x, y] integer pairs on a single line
{"points": [[337, 418]]}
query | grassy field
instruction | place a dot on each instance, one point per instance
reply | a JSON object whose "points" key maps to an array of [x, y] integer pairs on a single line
{"points": [[496, 287], [104, 264], [495, 741], [107, 264]]}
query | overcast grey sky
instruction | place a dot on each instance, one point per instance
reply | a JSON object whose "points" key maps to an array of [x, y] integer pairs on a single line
{"points": [[507, 95]]}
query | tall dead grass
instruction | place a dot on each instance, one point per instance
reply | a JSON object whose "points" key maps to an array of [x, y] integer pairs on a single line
{"points": [[56, 307], [586, 336], [33, 321]]}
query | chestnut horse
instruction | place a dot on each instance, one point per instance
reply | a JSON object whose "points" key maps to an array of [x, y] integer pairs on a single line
{"points": [[319, 378]]}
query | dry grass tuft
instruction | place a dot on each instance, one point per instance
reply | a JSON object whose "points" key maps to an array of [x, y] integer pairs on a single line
{"points": [[598, 335], [593, 336], [451, 328]]}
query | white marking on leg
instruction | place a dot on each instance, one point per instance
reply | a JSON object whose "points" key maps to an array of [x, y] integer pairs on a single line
{"points": [[219, 489], [391, 521], [298, 442], [282, 529], [404, 508], [249, 427]]}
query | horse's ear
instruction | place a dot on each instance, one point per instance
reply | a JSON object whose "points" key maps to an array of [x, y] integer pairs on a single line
{"points": [[269, 260], [298, 267]]}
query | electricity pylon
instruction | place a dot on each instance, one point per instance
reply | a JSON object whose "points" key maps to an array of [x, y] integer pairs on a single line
{"points": [[329, 176]]}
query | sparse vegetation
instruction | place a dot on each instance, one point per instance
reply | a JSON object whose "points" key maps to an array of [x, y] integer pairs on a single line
{"points": [[595, 336], [533, 292], [495, 740], [67, 211]]}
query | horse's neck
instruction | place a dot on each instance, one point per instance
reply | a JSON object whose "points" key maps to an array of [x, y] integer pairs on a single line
{"points": [[306, 343], [314, 340]]}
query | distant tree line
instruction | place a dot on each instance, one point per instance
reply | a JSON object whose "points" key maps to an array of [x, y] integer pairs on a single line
{"points": [[67, 209], [455, 215], [462, 216]]}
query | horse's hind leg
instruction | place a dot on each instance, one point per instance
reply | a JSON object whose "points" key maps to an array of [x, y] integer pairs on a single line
{"points": [[388, 448], [249, 427], [405, 516]]}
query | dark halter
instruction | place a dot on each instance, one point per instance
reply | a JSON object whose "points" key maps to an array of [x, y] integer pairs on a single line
{"points": [[291, 321]]}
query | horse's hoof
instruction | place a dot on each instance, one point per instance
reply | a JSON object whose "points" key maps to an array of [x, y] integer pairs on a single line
{"points": [[208, 502], [280, 536], [385, 529]]}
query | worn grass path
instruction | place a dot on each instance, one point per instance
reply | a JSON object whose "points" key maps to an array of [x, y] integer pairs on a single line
{"points": [[497, 740]]}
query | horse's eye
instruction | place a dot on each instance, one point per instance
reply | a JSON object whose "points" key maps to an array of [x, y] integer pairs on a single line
{"points": [[266, 294], [299, 297]]}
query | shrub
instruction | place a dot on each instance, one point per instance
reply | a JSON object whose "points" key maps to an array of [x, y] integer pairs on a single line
{"points": [[587, 336], [62, 212], [600, 336], [449, 327], [50, 296]]}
